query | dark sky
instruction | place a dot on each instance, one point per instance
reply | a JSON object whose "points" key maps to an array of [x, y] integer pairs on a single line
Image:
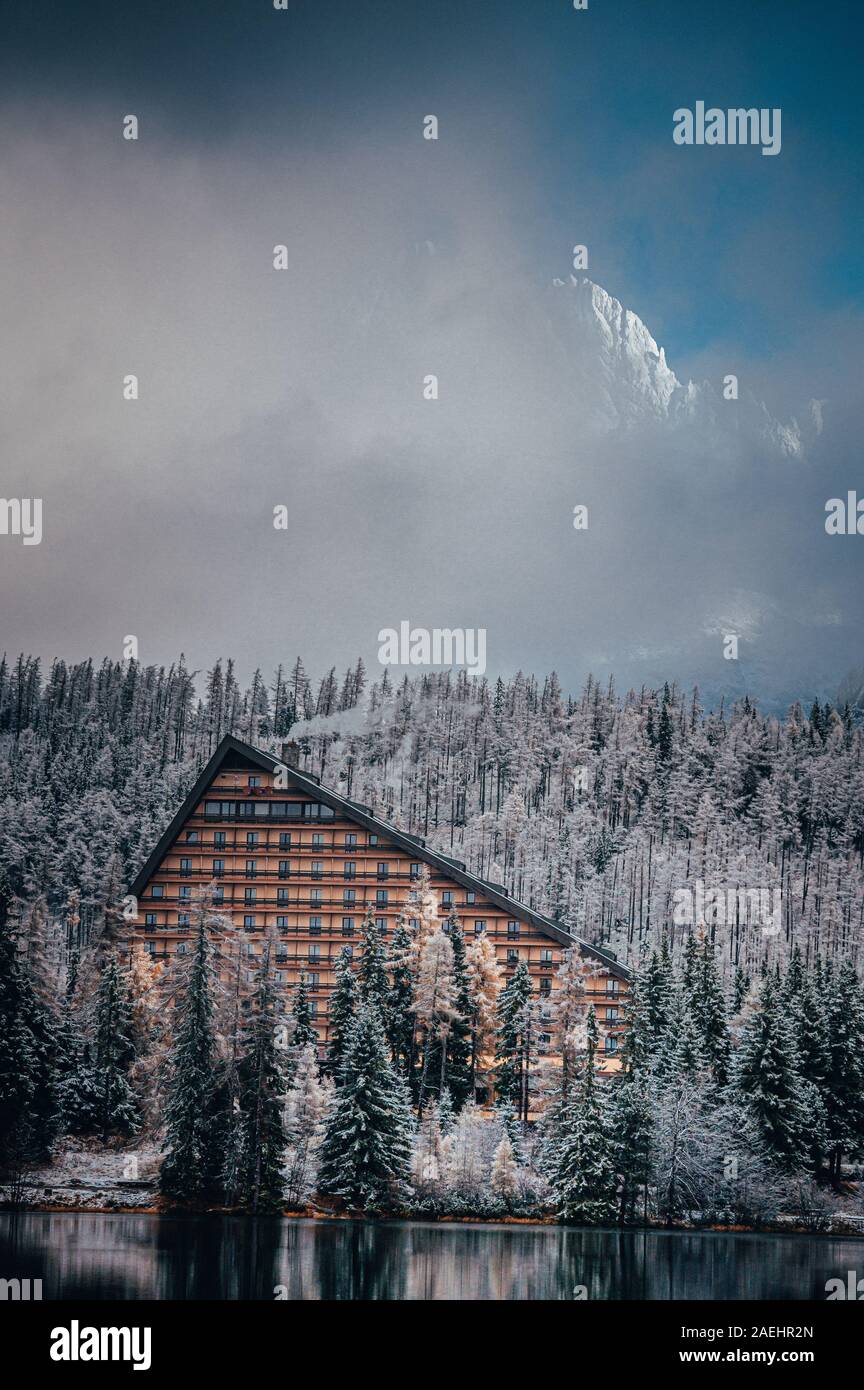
{"points": [[303, 127]]}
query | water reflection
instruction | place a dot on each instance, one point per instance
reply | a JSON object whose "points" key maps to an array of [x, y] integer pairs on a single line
{"points": [[81, 1256]]}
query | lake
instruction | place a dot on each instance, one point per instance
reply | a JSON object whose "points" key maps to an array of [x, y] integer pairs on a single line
{"points": [[125, 1256]]}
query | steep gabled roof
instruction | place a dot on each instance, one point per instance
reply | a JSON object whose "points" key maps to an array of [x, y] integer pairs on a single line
{"points": [[360, 815]]}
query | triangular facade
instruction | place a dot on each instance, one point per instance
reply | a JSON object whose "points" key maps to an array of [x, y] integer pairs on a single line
{"points": [[288, 854]]}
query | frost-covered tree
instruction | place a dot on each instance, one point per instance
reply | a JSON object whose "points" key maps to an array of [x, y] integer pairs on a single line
{"points": [[581, 1167], [435, 1008], [262, 1097], [343, 1007], [372, 973], [115, 1106], [306, 1108], [365, 1156]]}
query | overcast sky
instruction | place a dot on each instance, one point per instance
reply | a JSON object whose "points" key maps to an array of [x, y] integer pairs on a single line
{"points": [[406, 257]]}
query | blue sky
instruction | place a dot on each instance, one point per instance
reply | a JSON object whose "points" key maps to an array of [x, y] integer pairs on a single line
{"points": [[303, 127]]}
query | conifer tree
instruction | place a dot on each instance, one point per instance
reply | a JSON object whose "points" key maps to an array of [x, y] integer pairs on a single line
{"points": [[366, 1153], [844, 1073], [343, 1007], [768, 1079], [435, 1008], [193, 1161], [28, 1112], [582, 1173], [514, 1041], [459, 1077], [262, 1098], [372, 975], [401, 1025], [303, 1031], [116, 1109], [484, 987]]}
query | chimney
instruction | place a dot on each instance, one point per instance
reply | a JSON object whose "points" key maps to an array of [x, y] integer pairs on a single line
{"points": [[290, 754]]}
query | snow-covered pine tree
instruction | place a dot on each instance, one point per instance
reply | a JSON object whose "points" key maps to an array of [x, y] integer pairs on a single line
{"points": [[582, 1170], [192, 1166], [459, 1077], [401, 1024], [115, 1107], [372, 978], [767, 1077], [365, 1157], [262, 1096], [513, 1054], [343, 1007]]}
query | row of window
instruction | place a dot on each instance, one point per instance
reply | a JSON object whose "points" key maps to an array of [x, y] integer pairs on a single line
{"points": [[268, 810], [318, 840], [250, 895]]}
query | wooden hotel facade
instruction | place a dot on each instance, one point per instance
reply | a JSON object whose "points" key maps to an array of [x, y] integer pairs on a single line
{"points": [[286, 853]]}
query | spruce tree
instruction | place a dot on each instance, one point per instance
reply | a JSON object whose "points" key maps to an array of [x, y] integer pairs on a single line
{"points": [[303, 1032], [844, 1073], [343, 1007], [582, 1175], [401, 1025], [768, 1080], [365, 1157], [262, 1098], [116, 1109], [459, 1077], [513, 1029], [193, 1163], [28, 1109]]}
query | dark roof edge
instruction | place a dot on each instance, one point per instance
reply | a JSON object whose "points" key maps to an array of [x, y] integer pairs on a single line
{"points": [[268, 762]]}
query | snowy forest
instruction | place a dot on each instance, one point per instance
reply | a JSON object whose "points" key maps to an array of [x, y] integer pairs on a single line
{"points": [[740, 1098]]}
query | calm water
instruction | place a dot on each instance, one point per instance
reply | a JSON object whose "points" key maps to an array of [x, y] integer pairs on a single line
{"points": [[128, 1257]]}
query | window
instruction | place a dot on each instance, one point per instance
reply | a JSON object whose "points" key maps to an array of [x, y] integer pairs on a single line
{"points": [[282, 897], [157, 890], [611, 986], [313, 1008], [254, 781], [185, 892], [248, 948], [284, 839], [317, 840], [315, 926], [149, 919], [546, 956], [347, 926], [545, 1042], [149, 948], [183, 920], [282, 923], [316, 897], [317, 868], [512, 928], [284, 868], [349, 897], [181, 948], [381, 924], [415, 871], [314, 952], [192, 837], [218, 895], [610, 1043], [218, 868], [470, 898], [262, 808], [447, 899], [512, 955], [381, 897], [349, 869], [413, 923], [612, 1014], [313, 979], [219, 839], [249, 895], [212, 808], [373, 839], [350, 840], [546, 986], [383, 869], [252, 838], [479, 927], [279, 975], [249, 920], [250, 868]]}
